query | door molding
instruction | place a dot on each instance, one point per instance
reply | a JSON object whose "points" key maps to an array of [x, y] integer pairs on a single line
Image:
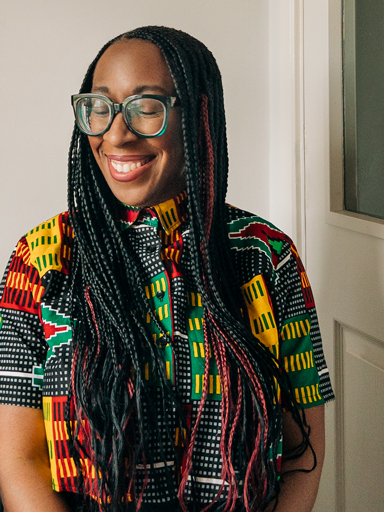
{"points": [[300, 175], [351, 344], [339, 416], [287, 120]]}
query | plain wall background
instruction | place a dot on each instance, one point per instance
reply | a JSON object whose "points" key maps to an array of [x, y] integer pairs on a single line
{"points": [[45, 48]]}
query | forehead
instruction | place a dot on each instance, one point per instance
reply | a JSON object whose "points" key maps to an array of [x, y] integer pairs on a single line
{"points": [[130, 64]]}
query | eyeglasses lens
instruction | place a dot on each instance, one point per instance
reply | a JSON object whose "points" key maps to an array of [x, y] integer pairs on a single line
{"points": [[93, 115], [146, 115]]}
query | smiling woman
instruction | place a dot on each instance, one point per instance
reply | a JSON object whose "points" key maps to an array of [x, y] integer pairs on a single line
{"points": [[163, 344]]}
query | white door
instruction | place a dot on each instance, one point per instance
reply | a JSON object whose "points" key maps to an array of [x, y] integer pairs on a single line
{"points": [[345, 260], [343, 254]]}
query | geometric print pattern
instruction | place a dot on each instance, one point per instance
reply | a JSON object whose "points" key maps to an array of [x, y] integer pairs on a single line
{"points": [[63, 467], [298, 361], [49, 247], [173, 212], [308, 395], [35, 330], [257, 244], [57, 328], [23, 289], [195, 315], [260, 313]]}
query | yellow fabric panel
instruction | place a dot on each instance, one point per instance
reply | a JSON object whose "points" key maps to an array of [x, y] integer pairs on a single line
{"points": [[168, 214], [45, 244], [260, 313]]}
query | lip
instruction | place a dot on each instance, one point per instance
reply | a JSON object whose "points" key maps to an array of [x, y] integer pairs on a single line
{"points": [[131, 175], [129, 158]]}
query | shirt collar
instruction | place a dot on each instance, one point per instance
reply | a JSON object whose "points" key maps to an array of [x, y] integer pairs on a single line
{"points": [[171, 213]]}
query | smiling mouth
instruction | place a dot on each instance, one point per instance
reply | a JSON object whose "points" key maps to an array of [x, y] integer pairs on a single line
{"points": [[126, 167]]}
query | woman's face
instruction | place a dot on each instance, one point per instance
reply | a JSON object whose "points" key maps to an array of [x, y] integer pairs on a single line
{"points": [[126, 68]]}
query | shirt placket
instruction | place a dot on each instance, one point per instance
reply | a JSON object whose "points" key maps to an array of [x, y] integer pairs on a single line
{"points": [[158, 318]]}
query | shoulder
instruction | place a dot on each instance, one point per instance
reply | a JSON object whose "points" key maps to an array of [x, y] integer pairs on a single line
{"points": [[50, 243], [46, 247], [249, 233]]}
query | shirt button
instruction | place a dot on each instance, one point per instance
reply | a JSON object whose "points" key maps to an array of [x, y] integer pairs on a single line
{"points": [[160, 294], [153, 248]]}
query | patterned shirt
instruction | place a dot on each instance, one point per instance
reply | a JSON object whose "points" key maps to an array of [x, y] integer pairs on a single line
{"points": [[35, 329]]}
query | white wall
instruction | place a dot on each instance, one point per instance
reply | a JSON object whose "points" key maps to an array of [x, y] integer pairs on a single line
{"points": [[45, 48]]}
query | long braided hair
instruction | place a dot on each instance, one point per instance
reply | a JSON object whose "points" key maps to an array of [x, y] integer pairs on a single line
{"points": [[105, 407]]}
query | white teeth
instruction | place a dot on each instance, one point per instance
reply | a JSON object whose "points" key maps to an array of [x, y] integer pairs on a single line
{"points": [[125, 168]]}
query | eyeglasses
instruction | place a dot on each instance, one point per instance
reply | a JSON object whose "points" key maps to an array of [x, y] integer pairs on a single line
{"points": [[146, 115]]}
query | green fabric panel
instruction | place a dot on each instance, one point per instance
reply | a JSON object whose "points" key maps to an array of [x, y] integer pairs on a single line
{"points": [[195, 332], [297, 358]]}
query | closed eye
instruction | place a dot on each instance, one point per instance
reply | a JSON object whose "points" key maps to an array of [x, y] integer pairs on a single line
{"points": [[149, 114], [101, 112]]}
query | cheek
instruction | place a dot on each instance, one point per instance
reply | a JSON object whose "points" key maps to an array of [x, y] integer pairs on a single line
{"points": [[177, 131], [95, 143], [175, 141]]}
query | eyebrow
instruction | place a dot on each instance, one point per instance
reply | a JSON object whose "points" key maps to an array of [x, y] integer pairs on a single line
{"points": [[137, 90]]}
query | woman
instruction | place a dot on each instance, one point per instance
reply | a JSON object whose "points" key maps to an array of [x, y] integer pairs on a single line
{"points": [[165, 338]]}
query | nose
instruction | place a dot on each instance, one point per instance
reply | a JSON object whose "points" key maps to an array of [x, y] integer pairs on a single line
{"points": [[119, 133]]}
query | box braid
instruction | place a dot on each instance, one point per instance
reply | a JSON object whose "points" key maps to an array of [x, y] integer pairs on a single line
{"points": [[110, 340]]}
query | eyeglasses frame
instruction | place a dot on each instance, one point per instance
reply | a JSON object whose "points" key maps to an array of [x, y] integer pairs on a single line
{"points": [[168, 102]]}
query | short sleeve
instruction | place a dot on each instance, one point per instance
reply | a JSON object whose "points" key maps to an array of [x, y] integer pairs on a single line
{"points": [[22, 342], [301, 350]]}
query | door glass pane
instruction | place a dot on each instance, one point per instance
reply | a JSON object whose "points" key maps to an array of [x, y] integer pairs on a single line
{"points": [[363, 71]]}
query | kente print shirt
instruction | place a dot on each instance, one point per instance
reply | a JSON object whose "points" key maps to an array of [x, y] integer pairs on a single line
{"points": [[35, 330]]}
